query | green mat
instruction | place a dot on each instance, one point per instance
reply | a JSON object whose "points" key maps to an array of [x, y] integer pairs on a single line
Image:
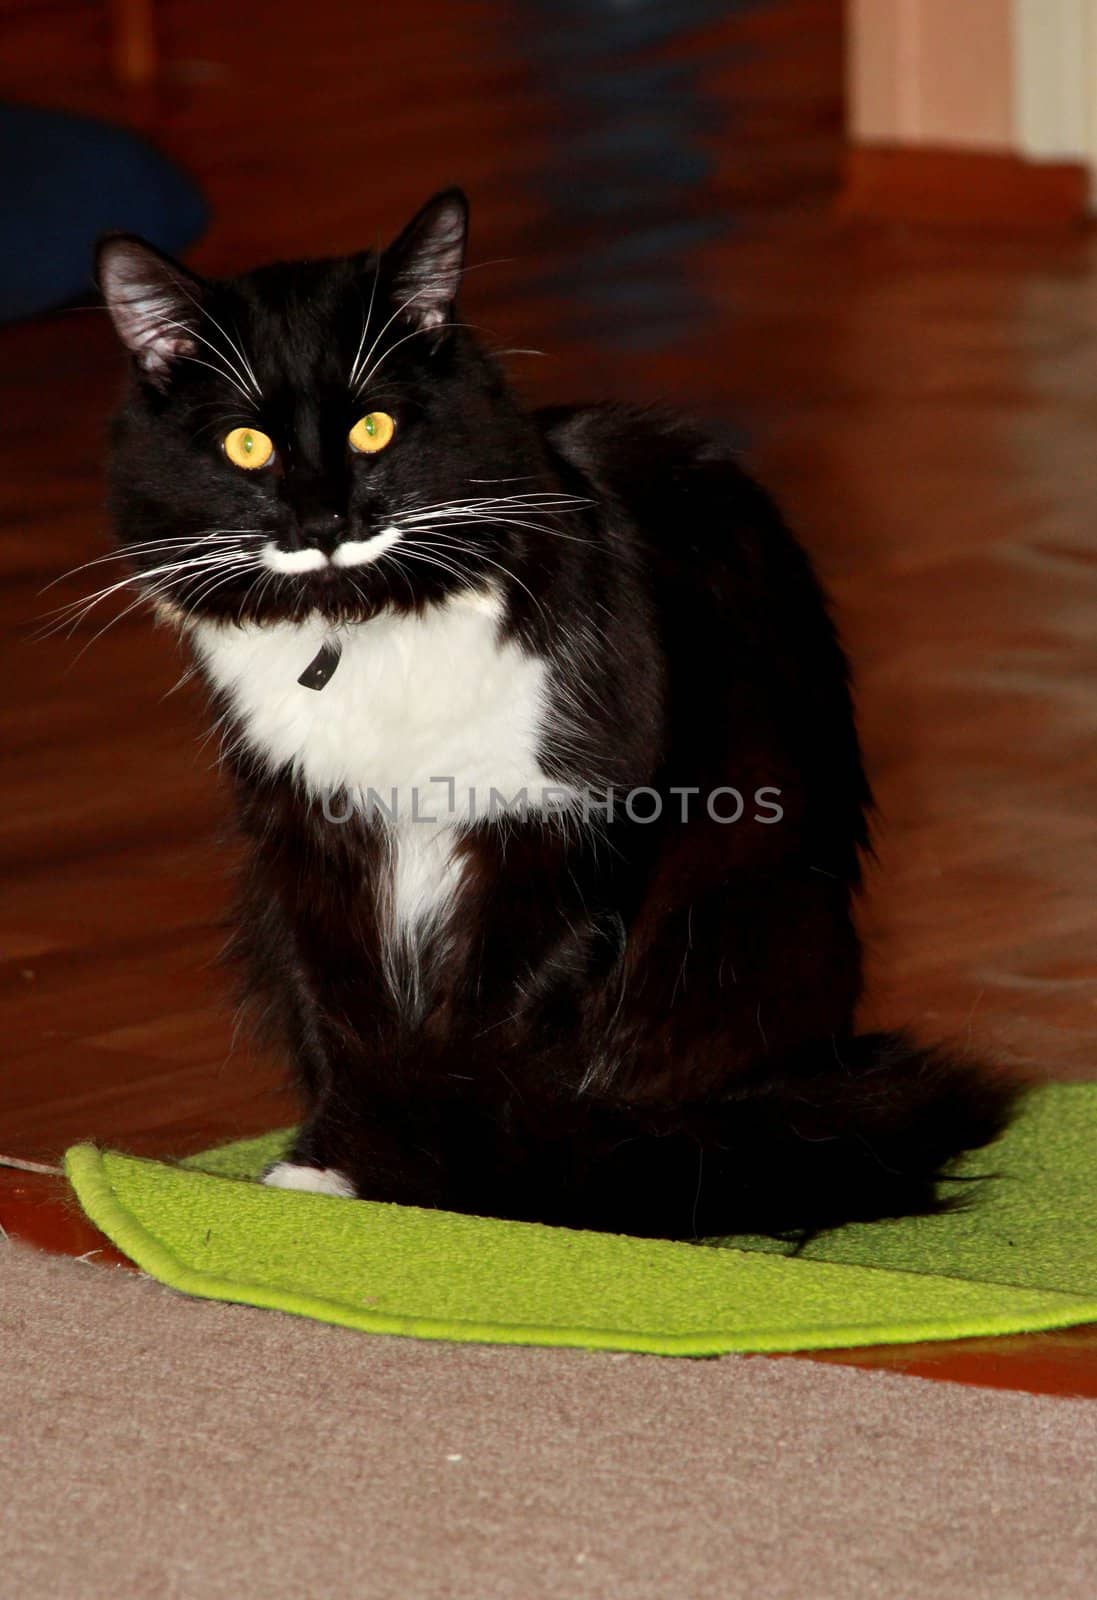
{"points": [[1021, 1256]]}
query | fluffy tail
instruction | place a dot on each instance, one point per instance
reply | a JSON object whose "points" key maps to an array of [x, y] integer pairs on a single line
{"points": [[852, 1130]]}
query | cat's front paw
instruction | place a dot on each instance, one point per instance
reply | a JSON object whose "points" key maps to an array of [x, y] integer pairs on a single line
{"points": [[311, 1180]]}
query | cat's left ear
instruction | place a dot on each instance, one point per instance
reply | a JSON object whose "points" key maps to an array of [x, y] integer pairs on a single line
{"points": [[153, 301], [426, 261]]}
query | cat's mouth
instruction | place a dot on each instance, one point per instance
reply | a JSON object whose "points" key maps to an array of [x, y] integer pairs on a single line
{"points": [[311, 559]]}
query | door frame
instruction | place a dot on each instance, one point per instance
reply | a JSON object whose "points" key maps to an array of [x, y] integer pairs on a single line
{"points": [[1055, 81]]}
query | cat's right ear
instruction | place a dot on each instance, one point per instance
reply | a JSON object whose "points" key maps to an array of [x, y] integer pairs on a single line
{"points": [[153, 302], [427, 259]]}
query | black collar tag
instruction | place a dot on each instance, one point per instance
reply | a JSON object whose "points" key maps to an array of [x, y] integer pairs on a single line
{"points": [[321, 668]]}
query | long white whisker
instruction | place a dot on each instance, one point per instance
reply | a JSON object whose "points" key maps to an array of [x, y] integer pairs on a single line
{"points": [[205, 559], [229, 372], [157, 546], [159, 590], [388, 325], [485, 512], [414, 333], [235, 345], [242, 382], [110, 623], [180, 682], [154, 592], [390, 555], [487, 509], [267, 580], [76, 610], [472, 516], [218, 581], [221, 373], [365, 326], [431, 558], [465, 549], [500, 521], [532, 500]]}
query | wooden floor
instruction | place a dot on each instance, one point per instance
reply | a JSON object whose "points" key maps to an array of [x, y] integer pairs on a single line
{"points": [[653, 197]]}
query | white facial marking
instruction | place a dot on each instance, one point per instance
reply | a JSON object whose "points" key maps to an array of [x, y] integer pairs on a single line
{"points": [[310, 1180], [360, 552], [292, 560], [351, 553]]}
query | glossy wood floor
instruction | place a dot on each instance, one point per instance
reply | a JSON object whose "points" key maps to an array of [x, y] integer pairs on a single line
{"points": [[653, 194]]}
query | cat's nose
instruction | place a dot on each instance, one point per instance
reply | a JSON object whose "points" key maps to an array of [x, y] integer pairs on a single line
{"points": [[321, 530]]}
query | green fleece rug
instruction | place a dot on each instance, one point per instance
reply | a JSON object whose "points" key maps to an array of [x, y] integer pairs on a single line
{"points": [[1021, 1256]]}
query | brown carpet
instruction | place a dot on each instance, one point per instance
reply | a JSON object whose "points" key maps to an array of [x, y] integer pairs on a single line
{"points": [[158, 1446]]}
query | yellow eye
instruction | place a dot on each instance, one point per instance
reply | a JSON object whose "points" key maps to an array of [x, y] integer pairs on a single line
{"points": [[372, 432], [248, 448]]}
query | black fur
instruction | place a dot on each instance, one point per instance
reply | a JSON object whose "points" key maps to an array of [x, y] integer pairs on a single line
{"points": [[646, 1027]]}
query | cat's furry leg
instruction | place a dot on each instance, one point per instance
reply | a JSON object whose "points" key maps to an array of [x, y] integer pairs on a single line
{"points": [[347, 1143], [379, 1151]]}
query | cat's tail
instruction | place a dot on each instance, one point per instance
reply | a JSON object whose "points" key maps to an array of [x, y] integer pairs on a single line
{"points": [[852, 1129]]}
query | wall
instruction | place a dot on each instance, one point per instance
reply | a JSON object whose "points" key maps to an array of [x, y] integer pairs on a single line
{"points": [[935, 72]]}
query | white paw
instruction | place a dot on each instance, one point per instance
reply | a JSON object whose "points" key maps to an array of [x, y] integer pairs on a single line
{"points": [[313, 1180]]}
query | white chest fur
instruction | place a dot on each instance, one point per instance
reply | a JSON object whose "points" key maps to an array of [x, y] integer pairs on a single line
{"points": [[423, 720]]}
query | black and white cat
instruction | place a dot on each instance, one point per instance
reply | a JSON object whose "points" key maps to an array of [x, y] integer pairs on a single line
{"points": [[541, 739]]}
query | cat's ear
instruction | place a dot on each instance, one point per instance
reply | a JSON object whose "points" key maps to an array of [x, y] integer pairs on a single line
{"points": [[425, 262], [153, 302]]}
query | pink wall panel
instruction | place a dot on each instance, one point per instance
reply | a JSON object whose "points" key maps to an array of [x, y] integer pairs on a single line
{"points": [[936, 72]]}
